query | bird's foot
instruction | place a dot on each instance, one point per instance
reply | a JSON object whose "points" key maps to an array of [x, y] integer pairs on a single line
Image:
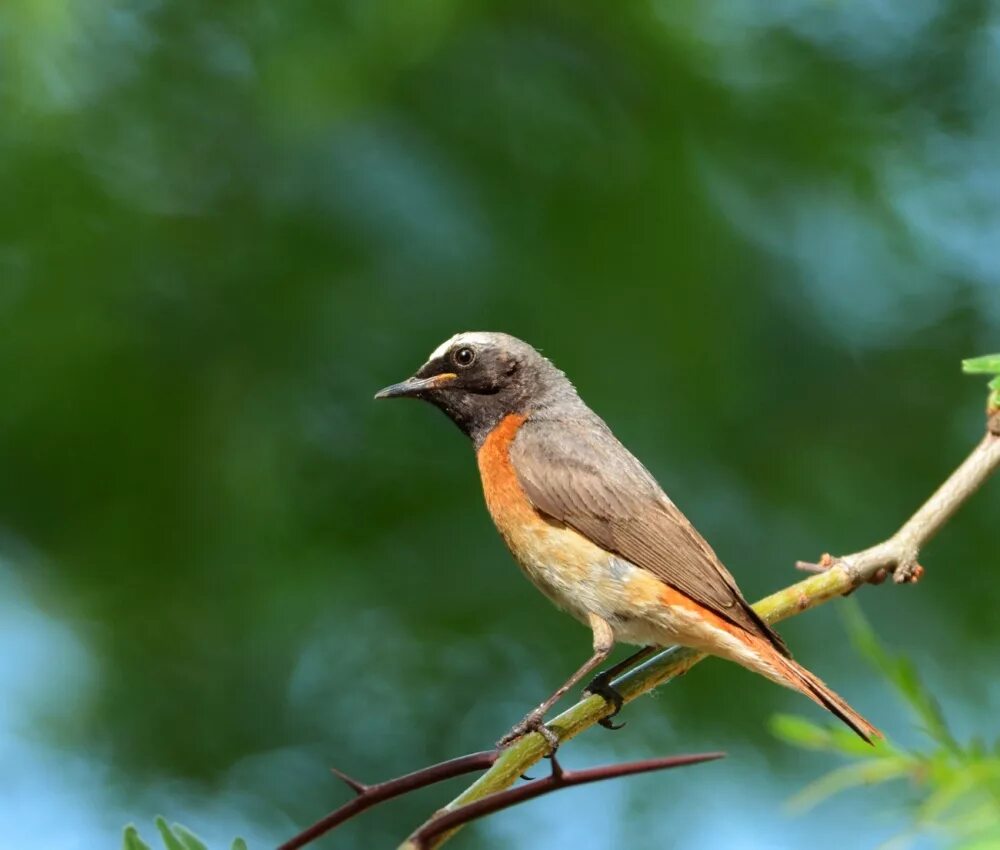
{"points": [[534, 721], [600, 686]]}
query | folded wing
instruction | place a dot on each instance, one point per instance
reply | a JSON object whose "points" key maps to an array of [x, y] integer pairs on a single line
{"points": [[578, 473]]}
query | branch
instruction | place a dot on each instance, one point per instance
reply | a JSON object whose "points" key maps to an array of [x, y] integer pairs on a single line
{"points": [[555, 781], [371, 795], [839, 576]]}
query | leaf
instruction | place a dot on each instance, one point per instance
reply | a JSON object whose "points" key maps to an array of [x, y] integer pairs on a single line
{"points": [[176, 837], [804, 733], [850, 776], [800, 732], [901, 672], [988, 364], [988, 842], [170, 841], [188, 838], [131, 839], [899, 842]]}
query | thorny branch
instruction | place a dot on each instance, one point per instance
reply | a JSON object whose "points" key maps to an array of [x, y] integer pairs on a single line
{"points": [[835, 577], [555, 781], [372, 795]]}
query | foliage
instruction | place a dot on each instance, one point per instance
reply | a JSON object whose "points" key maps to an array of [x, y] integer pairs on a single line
{"points": [[956, 786], [989, 365], [174, 837]]}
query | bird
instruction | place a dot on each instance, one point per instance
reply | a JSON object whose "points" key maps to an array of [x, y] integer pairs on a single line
{"points": [[590, 526]]}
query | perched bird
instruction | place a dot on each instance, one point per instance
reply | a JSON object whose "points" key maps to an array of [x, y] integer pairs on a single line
{"points": [[589, 525]]}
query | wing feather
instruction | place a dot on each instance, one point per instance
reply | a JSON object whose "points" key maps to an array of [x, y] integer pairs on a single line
{"points": [[578, 473]]}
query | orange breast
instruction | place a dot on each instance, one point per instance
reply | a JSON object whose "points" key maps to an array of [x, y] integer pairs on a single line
{"points": [[505, 498], [563, 564]]}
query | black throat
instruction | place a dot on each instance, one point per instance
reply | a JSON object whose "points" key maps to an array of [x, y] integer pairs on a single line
{"points": [[475, 414]]}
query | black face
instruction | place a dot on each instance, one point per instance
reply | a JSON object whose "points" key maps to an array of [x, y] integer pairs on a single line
{"points": [[475, 383]]}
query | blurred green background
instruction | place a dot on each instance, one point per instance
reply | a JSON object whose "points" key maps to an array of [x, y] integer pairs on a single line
{"points": [[759, 236]]}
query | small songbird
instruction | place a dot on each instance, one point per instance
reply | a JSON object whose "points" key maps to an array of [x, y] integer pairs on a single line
{"points": [[589, 525]]}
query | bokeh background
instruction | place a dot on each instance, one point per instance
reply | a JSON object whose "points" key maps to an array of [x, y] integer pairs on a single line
{"points": [[759, 235]]}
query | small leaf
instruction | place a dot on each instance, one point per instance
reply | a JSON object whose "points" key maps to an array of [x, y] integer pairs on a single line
{"points": [[947, 792], [900, 671], [849, 776], [834, 738], [239, 844], [902, 841], [987, 842], [188, 838], [131, 839], [989, 364], [800, 732], [170, 841]]}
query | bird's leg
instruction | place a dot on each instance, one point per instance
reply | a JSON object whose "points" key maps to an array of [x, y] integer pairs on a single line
{"points": [[604, 641], [601, 683]]}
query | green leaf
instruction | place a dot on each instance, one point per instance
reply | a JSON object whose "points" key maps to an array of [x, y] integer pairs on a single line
{"points": [[188, 838], [807, 735], [900, 671], [989, 364], [850, 776], [903, 841], [800, 732], [170, 841], [176, 837], [131, 839], [948, 791], [988, 842]]}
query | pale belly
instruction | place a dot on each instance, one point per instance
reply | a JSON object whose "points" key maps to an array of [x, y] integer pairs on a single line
{"points": [[582, 579]]}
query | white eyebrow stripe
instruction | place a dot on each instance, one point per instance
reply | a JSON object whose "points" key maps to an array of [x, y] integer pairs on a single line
{"points": [[442, 349], [470, 337]]}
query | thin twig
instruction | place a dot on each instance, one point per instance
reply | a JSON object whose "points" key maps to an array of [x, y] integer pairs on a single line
{"points": [[897, 555], [555, 781], [371, 795]]}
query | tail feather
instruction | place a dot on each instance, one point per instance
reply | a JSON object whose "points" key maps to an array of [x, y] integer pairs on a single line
{"points": [[797, 677], [764, 654]]}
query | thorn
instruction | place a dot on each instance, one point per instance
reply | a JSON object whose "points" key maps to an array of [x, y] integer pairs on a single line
{"points": [[527, 778], [557, 771], [826, 561], [608, 723], [358, 788]]}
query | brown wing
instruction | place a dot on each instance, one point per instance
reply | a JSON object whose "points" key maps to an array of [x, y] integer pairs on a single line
{"points": [[577, 472]]}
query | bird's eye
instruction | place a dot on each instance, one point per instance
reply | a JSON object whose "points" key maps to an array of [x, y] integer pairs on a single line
{"points": [[464, 357]]}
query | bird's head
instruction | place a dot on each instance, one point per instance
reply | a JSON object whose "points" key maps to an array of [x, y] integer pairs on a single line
{"points": [[478, 378]]}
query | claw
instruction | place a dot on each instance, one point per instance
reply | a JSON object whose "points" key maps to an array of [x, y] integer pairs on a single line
{"points": [[600, 686]]}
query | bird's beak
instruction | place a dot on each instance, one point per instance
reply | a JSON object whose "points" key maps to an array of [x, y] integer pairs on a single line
{"points": [[415, 386]]}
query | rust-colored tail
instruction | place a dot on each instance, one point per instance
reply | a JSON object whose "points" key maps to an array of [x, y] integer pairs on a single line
{"points": [[795, 676]]}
